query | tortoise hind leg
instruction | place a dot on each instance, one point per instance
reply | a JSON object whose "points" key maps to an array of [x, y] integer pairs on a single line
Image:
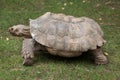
{"points": [[28, 51], [100, 58]]}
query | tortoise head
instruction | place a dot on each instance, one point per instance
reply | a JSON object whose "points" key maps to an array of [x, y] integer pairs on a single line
{"points": [[20, 31]]}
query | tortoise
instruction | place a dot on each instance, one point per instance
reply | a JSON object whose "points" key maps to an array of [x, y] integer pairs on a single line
{"points": [[61, 35]]}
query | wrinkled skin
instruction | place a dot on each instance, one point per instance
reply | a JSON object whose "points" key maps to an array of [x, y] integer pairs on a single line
{"points": [[20, 31], [30, 46]]}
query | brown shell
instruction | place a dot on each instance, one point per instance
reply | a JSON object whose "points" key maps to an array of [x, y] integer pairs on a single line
{"points": [[67, 33]]}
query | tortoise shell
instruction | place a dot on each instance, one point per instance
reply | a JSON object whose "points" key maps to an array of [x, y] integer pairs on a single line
{"points": [[66, 33]]}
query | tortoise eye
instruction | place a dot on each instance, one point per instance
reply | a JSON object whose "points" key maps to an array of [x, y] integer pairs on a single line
{"points": [[10, 29]]}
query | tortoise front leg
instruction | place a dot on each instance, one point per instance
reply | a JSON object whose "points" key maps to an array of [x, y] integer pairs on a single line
{"points": [[100, 58], [28, 51]]}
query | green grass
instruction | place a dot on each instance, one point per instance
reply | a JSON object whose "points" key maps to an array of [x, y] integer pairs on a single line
{"points": [[47, 67]]}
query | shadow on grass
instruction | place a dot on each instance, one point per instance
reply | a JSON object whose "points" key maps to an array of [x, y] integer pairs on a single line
{"points": [[43, 57]]}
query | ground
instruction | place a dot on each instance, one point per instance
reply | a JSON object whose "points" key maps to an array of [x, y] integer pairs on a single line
{"points": [[47, 67]]}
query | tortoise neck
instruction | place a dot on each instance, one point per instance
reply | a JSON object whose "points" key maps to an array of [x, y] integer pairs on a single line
{"points": [[26, 32]]}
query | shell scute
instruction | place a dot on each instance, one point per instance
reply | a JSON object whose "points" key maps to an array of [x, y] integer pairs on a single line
{"points": [[67, 33]]}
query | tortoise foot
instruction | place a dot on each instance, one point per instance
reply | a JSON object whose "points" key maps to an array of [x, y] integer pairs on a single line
{"points": [[28, 62], [101, 59], [28, 59], [28, 52]]}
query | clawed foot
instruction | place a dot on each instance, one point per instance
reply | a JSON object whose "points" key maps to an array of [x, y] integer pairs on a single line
{"points": [[28, 51], [28, 62], [101, 59], [28, 59]]}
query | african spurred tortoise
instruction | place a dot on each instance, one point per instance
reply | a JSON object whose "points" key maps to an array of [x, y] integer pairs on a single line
{"points": [[62, 35]]}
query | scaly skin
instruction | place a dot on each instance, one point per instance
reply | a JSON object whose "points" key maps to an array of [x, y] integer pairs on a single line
{"points": [[28, 48], [28, 51], [20, 31], [100, 58]]}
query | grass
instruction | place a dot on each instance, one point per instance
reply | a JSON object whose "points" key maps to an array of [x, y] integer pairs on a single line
{"points": [[47, 67]]}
